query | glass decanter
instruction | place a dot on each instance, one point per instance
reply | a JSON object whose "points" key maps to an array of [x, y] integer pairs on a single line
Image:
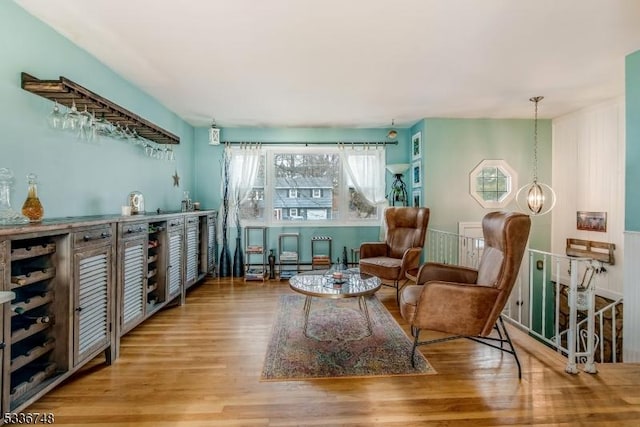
{"points": [[7, 214], [32, 208]]}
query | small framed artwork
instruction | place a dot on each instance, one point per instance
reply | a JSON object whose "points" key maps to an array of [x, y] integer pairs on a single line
{"points": [[591, 221], [416, 174], [415, 195], [416, 146]]}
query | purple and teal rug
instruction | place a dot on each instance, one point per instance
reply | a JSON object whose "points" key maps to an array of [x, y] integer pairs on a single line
{"points": [[338, 346]]}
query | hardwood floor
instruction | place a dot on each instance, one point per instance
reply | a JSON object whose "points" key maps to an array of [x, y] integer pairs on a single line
{"points": [[200, 365]]}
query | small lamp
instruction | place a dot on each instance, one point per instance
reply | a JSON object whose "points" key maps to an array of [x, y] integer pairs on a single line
{"points": [[214, 134], [398, 187]]}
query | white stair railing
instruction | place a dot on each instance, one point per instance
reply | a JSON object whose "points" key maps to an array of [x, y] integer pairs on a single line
{"points": [[534, 305]]}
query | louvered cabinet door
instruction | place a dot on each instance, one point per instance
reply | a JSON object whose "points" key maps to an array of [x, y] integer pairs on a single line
{"points": [[174, 269], [92, 315], [132, 292], [192, 253], [211, 244]]}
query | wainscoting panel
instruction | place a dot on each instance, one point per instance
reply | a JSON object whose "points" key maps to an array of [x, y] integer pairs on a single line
{"points": [[631, 327]]}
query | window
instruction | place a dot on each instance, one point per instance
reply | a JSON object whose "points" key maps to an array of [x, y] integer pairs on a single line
{"points": [[492, 183], [307, 185]]}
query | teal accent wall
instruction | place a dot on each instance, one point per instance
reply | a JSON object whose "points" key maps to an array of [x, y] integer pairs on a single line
{"points": [[454, 147], [208, 176], [632, 156], [76, 177]]}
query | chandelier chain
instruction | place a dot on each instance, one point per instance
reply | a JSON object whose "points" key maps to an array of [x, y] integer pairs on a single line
{"points": [[535, 99]]}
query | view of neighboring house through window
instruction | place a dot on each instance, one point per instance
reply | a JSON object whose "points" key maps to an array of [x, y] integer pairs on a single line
{"points": [[305, 184]]}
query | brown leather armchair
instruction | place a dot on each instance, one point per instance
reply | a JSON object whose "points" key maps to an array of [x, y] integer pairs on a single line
{"points": [[466, 302], [390, 260]]}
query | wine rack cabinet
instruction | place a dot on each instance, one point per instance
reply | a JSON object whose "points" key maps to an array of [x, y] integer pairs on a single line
{"points": [[39, 315], [78, 284]]}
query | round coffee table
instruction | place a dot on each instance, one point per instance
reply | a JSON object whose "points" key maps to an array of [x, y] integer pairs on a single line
{"points": [[321, 284]]}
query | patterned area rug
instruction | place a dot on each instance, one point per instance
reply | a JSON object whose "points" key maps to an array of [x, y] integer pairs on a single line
{"points": [[339, 345]]}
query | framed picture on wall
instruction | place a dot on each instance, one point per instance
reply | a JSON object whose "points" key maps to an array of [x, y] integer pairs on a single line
{"points": [[415, 195], [416, 146], [591, 221], [416, 174]]}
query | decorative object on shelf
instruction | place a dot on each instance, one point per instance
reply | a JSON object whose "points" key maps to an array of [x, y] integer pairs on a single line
{"points": [[99, 116], [539, 198], [398, 187], [32, 208], [225, 254], [186, 204], [7, 214], [392, 132], [136, 201], [214, 134], [176, 179], [272, 264]]}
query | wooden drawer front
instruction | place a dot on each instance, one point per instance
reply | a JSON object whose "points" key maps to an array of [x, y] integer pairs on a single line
{"points": [[92, 237], [192, 221], [174, 223], [132, 230]]}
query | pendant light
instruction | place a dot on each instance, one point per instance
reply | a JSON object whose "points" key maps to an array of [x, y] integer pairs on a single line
{"points": [[536, 198], [214, 134], [392, 132]]}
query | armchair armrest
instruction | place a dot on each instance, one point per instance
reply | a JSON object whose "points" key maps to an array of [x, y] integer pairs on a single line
{"points": [[446, 273], [373, 249], [455, 308], [410, 260]]}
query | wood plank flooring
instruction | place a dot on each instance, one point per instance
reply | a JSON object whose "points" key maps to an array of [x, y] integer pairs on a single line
{"points": [[200, 365]]}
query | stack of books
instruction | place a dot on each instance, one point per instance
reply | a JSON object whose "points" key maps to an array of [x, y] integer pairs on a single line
{"points": [[288, 256], [321, 262], [254, 274], [254, 249]]}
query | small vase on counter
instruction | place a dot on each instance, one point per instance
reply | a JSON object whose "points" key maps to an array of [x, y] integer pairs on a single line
{"points": [[32, 208]]}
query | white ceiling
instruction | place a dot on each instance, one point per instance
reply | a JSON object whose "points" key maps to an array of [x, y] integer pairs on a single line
{"points": [[356, 63]]}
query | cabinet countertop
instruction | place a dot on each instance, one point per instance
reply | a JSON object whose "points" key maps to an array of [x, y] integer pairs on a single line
{"points": [[54, 224]]}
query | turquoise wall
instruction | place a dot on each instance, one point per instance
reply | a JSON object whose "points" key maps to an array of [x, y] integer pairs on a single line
{"points": [[78, 178], [452, 148], [632, 156], [208, 176]]}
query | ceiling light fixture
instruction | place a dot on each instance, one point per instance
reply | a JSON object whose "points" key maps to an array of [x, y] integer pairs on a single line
{"points": [[214, 134], [392, 132], [540, 198]]}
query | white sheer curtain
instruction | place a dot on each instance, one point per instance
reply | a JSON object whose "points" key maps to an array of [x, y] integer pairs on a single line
{"points": [[364, 165], [243, 169]]}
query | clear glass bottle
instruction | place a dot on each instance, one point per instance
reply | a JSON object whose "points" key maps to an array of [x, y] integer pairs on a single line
{"points": [[32, 208], [7, 214]]}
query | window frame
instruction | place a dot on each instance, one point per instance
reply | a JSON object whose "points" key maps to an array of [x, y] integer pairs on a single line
{"points": [[270, 216], [512, 183]]}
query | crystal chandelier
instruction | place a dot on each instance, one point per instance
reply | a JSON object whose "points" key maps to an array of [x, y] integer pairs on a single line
{"points": [[536, 198]]}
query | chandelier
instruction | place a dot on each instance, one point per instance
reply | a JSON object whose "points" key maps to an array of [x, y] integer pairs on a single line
{"points": [[536, 198]]}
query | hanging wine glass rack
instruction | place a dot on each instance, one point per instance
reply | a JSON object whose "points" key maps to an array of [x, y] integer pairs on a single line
{"points": [[66, 92]]}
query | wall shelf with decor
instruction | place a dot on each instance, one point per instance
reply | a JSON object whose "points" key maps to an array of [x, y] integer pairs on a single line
{"points": [[67, 93]]}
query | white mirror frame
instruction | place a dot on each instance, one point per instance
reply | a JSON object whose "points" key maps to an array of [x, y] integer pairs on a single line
{"points": [[512, 183]]}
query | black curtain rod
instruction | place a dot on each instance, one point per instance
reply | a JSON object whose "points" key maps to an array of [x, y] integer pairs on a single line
{"points": [[345, 143]]}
